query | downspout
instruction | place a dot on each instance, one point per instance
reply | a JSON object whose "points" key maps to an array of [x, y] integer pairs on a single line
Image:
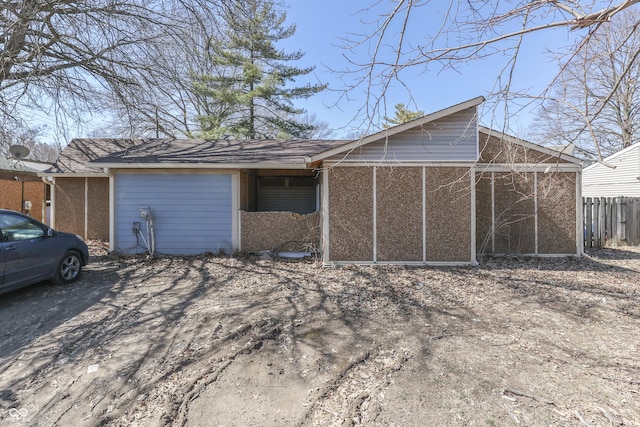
{"points": [[86, 208], [112, 210]]}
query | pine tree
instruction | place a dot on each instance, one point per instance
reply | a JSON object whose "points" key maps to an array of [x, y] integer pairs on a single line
{"points": [[402, 115], [250, 96]]}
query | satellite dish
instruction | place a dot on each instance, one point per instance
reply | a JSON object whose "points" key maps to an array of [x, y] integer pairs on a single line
{"points": [[19, 151]]}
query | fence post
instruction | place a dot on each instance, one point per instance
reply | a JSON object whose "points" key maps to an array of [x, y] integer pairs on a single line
{"points": [[588, 222], [602, 227], [633, 225], [596, 222], [614, 237], [608, 219]]}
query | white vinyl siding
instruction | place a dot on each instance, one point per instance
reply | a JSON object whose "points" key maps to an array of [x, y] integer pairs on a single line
{"points": [[451, 138], [192, 213], [618, 177]]}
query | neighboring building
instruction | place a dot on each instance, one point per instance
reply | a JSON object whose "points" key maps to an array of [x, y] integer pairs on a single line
{"points": [[437, 190], [22, 190], [617, 176]]}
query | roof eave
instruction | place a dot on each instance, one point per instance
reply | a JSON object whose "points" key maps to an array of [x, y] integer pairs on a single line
{"points": [[73, 174], [247, 165]]}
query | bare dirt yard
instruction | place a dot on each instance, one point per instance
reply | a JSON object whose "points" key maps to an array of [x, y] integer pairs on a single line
{"points": [[210, 341]]}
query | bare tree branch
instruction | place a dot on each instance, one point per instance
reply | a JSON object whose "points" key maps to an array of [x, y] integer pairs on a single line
{"points": [[457, 32]]}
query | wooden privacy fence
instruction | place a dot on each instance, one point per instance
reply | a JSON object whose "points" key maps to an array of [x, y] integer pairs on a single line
{"points": [[611, 221]]}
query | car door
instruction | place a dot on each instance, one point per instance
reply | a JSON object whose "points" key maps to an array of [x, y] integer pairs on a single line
{"points": [[1, 261], [28, 256]]}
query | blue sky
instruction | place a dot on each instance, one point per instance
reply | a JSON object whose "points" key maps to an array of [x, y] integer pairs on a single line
{"points": [[320, 25]]}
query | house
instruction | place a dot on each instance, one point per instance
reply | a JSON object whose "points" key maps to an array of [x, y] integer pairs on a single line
{"points": [[616, 176], [22, 190], [440, 189]]}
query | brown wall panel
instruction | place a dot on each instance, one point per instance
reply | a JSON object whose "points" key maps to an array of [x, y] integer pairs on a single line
{"points": [[514, 213], [245, 192], [399, 213], [11, 193], [448, 211], [556, 213], [69, 205], [350, 213], [281, 231], [496, 150], [98, 207], [483, 213]]}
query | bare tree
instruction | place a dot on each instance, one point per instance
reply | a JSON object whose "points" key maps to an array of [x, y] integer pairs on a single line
{"points": [[595, 101], [16, 133], [321, 128], [467, 30], [74, 58]]}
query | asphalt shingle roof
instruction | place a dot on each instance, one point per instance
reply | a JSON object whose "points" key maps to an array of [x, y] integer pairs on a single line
{"points": [[81, 155], [15, 166]]}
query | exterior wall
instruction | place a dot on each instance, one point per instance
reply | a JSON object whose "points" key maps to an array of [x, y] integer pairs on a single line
{"points": [[556, 213], [279, 231], [451, 138], [525, 199], [532, 213], [514, 219], [192, 213], [350, 214], [619, 177], [97, 208], [82, 206], [69, 205], [399, 214], [484, 213], [34, 191], [448, 214], [399, 219]]}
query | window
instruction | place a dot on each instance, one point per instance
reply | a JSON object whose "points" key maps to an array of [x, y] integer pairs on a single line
{"points": [[287, 193], [14, 228]]}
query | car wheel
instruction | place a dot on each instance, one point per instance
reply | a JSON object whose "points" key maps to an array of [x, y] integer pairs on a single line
{"points": [[68, 268]]}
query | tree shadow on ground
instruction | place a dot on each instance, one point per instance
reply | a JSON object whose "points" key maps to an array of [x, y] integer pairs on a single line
{"points": [[160, 331]]}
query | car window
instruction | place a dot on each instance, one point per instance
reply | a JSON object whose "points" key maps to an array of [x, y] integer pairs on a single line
{"points": [[14, 228]]}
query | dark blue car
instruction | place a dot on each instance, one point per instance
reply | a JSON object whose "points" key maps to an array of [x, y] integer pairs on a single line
{"points": [[31, 252]]}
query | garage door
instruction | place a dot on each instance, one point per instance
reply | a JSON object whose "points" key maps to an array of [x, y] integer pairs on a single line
{"points": [[192, 213]]}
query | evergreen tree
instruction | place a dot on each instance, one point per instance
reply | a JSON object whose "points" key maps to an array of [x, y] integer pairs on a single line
{"points": [[402, 115], [250, 95]]}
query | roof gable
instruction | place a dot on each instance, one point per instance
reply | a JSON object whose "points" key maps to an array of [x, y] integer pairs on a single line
{"points": [[498, 147], [387, 133], [614, 156]]}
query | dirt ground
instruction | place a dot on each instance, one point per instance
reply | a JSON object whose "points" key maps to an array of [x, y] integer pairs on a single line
{"points": [[209, 341]]}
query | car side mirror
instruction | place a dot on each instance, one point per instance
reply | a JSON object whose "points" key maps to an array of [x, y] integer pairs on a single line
{"points": [[50, 232]]}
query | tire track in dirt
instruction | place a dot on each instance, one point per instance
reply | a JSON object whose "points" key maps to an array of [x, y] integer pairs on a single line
{"points": [[166, 398], [355, 396], [265, 330]]}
